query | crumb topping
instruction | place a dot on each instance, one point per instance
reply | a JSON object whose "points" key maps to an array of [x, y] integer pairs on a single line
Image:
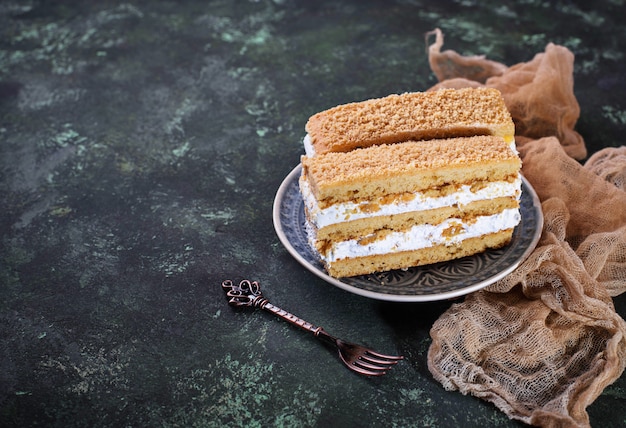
{"points": [[416, 115]]}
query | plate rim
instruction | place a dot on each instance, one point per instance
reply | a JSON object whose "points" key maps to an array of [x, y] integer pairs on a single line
{"points": [[282, 236]]}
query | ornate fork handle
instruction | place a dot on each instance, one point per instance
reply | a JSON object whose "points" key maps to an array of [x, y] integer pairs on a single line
{"points": [[356, 357], [248, 294]]}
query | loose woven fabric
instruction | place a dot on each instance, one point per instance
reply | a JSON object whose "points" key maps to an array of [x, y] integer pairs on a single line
{"points": [[539, 94], [542, 343], [610, 164]]}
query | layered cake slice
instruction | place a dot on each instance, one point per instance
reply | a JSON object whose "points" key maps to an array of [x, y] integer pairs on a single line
{"points": [[409, 116], [392, 206]]}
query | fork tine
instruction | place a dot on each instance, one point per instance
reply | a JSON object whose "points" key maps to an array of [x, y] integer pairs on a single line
{"points": [[379, 361], [367, 372], [385, 357], [367, 365], [362, 367]]}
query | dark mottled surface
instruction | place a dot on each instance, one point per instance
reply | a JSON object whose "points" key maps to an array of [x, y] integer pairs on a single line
{"points": [[141, 145]]}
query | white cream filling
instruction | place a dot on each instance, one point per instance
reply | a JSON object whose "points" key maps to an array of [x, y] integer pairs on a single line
{"points": [[422, 236], [347, 211], [308, 147]]}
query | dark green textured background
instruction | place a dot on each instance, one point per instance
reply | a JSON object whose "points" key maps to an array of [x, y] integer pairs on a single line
{"points": [[141, 146]]}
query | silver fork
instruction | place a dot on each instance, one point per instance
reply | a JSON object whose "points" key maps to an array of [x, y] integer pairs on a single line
{"points": [[356, 357]]}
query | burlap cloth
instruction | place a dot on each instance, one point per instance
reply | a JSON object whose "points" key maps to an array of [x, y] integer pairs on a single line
{"points": [[542, 343]]}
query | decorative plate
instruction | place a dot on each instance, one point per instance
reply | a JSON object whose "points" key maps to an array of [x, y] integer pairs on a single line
{"points": [[438, 281]]}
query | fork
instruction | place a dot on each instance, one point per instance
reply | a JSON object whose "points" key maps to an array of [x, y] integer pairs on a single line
{"points": [[356, 357]]}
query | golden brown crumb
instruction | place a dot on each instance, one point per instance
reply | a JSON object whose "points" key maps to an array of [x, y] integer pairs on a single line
{"points": [[411, 116]]}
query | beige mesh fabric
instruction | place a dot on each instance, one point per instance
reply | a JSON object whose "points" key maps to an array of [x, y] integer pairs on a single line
{"points": [[539, 93], [610, 164], [450, 65], [540, 96], [543, 343]]}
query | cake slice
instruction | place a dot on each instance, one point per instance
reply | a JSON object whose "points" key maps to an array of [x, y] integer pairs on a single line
{"points": [[419, 202], [410, 116]]}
